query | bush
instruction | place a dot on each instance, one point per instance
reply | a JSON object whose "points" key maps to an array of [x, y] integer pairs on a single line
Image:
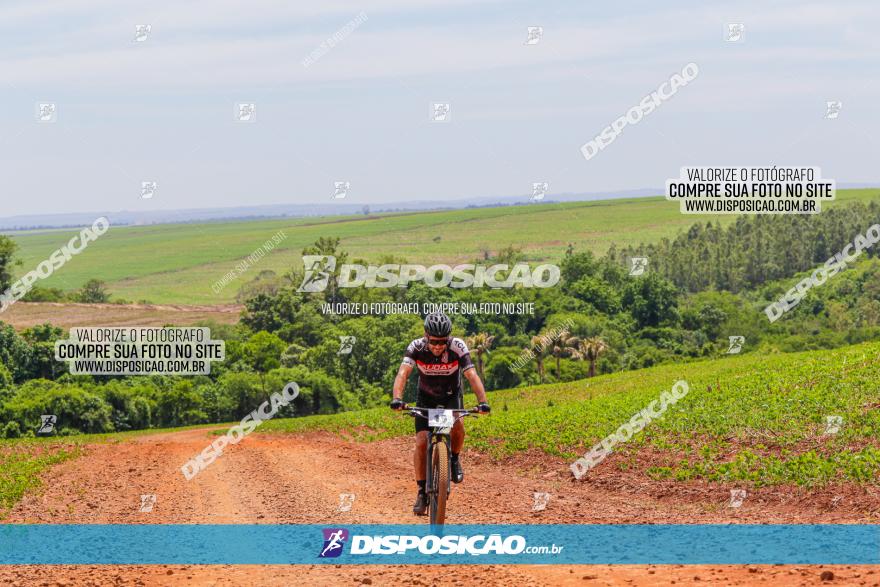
{"points": [[45, 294], [5, 380], [11, 430], [93, 292], [74, 407]]}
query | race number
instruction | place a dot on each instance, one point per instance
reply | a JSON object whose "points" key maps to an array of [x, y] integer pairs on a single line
{"points": [[440, 418]]}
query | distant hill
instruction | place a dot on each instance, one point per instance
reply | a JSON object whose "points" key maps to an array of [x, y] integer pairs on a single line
{"points": [[330, 208], [186, 263]]}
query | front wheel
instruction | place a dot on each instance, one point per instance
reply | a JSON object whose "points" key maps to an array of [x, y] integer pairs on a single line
{"points": [[440, 485]]}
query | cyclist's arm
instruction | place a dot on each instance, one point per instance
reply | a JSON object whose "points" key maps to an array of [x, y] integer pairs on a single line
{"points": [[476, 384], [400, 381]]}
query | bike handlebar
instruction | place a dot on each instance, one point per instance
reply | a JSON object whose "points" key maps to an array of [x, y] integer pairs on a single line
{"points": [[417, 411]]}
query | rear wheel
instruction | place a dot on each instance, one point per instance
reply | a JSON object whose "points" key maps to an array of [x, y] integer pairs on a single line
{"points": [[440, 489]]}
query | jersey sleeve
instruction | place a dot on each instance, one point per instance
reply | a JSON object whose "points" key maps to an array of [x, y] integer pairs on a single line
{"points": [[464, 354], [409, 357]]}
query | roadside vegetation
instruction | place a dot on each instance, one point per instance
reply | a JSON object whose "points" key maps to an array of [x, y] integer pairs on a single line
{"points": [[759, 419], [709, 284]]}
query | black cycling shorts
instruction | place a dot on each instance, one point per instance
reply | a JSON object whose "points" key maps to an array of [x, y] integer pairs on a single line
{"points": [[450, 402]]}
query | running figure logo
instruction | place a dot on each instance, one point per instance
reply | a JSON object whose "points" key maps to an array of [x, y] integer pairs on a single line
{"points": [[47, 112], [346, 344], [47, 424], [638, 265], [340, 189], [334, 541], [317, 272], [735, 344], [832, 109], [141, 32], [539, 190], [440, 112], [735, 32], [535, 34], [147, 502]]}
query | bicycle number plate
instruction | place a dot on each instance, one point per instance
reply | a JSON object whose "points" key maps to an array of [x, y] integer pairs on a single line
{"points": [[440, 418]]}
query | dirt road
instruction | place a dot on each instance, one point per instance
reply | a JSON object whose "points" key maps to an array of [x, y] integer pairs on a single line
{"points": [[298, 479]]}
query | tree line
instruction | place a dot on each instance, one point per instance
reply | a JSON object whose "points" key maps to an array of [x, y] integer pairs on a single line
{"points": [[701, 287]]}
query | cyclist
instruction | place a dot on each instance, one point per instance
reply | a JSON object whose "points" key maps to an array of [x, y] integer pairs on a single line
{"points": [[441, 360]]}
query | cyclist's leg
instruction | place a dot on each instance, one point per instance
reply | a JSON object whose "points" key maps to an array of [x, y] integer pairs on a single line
{"points": [[419, 455], [421, 438], [457, 433]]}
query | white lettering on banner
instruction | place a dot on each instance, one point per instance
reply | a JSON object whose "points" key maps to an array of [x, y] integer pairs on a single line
{"points": [[454, 544]]}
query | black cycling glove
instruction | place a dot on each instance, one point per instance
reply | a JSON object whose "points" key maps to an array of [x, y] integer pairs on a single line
{"points": [[397, 404], [484, 408]]}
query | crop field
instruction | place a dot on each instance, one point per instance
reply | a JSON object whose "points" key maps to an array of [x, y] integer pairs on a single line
{"points": [[757, 419], [178, 264]]}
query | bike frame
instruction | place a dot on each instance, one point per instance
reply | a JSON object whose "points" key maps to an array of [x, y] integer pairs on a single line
{"points": [[436, 435]]}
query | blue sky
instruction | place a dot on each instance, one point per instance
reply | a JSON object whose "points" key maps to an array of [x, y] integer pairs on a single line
{"points": [[163, 110]]}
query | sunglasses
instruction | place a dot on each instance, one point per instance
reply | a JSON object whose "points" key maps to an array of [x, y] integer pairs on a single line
{"points": [[437, 341]]}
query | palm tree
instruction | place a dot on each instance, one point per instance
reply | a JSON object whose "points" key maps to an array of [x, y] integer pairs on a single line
{"points": [[589, 349], [478, 344], [539, 351], [559, 348]]}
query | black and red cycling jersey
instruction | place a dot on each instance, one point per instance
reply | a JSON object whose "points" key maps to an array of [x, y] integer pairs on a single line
{"points": [[439, 377]]}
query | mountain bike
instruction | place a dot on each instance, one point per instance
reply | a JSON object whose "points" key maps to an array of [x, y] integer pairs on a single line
{"points": [[438, 468]]}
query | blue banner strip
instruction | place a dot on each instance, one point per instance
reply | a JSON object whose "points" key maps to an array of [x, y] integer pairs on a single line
{"points": [[266, 544]]}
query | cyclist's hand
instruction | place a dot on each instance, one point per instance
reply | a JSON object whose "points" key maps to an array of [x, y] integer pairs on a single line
{"points": [[484, 408], [396, 404]]}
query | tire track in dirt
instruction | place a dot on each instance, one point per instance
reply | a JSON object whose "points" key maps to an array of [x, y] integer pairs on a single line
{"points": [[279, 478]]}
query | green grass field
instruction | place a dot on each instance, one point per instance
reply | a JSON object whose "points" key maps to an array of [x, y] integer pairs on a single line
{"points": [[755, 418], [179, 263]]}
